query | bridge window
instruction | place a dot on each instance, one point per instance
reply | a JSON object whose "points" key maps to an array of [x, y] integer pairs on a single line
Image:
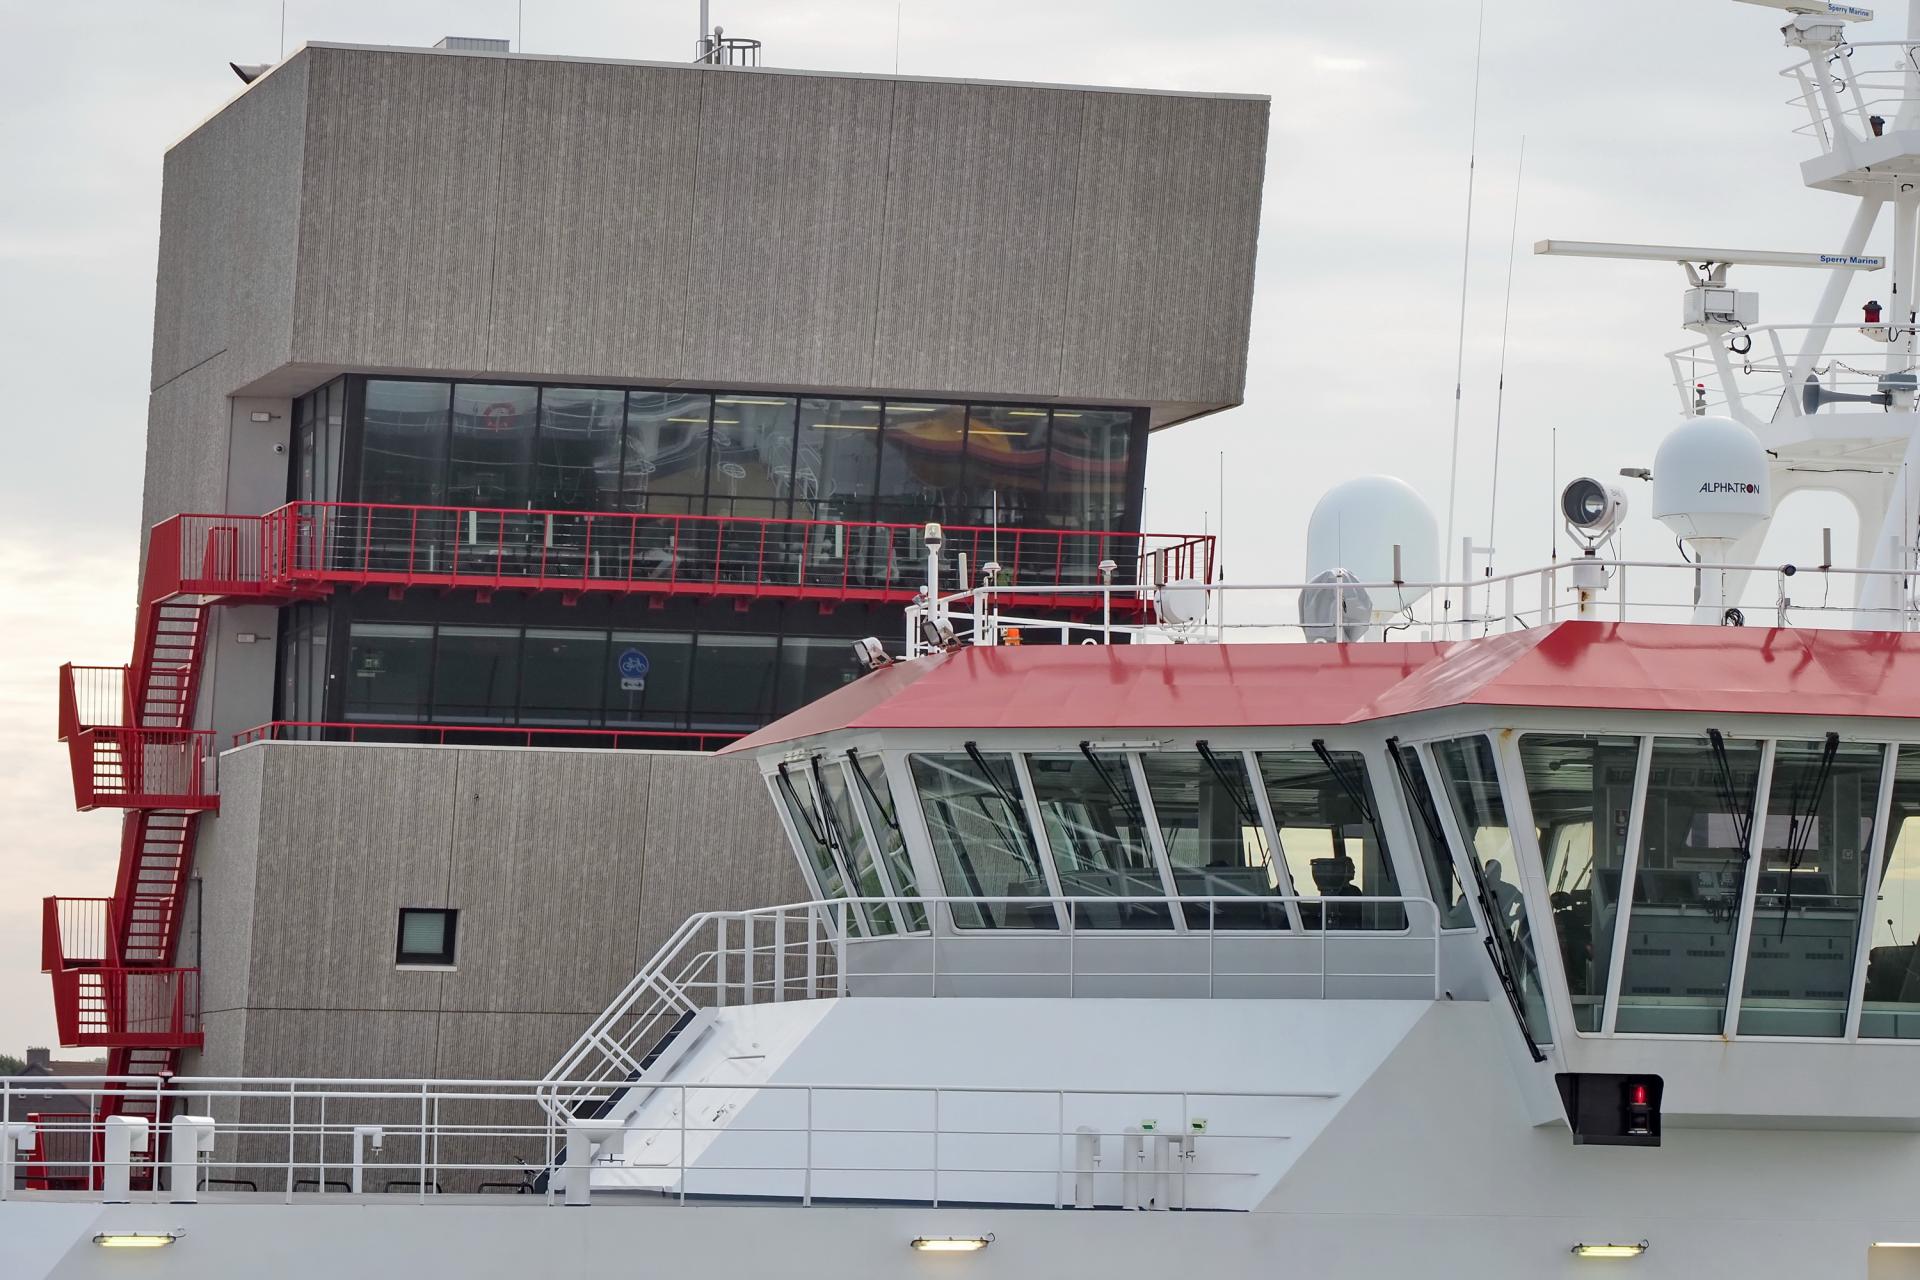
{"points": [[794, 792], [1216, 842], [1330, 836], [849, 838], [1581, 789], [1687, 890], [1892, 1005], [1443, 877], [981, 840], [1806, 908], [1098, 838], [1473, 789], [883, 818]]}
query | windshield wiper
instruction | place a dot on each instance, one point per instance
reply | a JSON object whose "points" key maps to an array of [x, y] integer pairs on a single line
{"points": [[1800, 826], [886, 815], [1742, 815], [1242, 803], [806, 814], [1127, 802]]}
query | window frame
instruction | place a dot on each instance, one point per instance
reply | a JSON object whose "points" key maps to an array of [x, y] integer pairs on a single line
{"points": [[443, 960]]}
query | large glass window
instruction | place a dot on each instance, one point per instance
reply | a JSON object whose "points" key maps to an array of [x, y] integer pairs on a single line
{"points": [[1892, 1004], [921, 454], [403, 452], [1087, 490], [837, 459], [752, 473], [1694, 834], [492, 452], [1215, 841], [1443, 875], [389, 672], [561, 677], [579, 449], [476, 674], [733, 680], [1473, 790], [981, 840], [1098, 838], [876, 798], [1330, 836], [1581, 789], [664, 467], [1005, 476], [647, 675], [1806, 914], [812, 667]]}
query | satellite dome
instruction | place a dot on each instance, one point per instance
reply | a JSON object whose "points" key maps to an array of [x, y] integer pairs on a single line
{"points": [[1356, 525], [1711, 481]]}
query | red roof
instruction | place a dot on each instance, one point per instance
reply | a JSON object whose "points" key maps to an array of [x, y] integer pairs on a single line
{"points": [[1612, 666]]}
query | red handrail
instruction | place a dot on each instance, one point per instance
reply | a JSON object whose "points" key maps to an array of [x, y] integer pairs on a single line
{"points": [[285, 730]]}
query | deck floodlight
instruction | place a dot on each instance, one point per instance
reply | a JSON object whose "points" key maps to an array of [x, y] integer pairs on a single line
{"points": [[1592, 510], [937, 634], [1609, 1250], [951, 1244], [871, 654]]}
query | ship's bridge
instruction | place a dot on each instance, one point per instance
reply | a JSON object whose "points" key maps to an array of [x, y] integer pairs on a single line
{"points": [[1627, 833]]}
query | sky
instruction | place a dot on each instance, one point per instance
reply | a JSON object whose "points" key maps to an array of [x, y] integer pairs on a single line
{"points": [[1643, 120]]}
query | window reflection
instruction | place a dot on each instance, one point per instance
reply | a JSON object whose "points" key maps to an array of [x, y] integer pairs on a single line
{"points": [[1473, 790], [403, 455], [812, 667], [733, 679], [1098, 838], [876, 799], [492, 453], [579, 453], [1215, 841], [1678, 962], [1581, 789], [1892, 1004], [389, 672], [1087, 488], [475, 674], [836, 805], [981, 840], [921, 453], [752, 456], [1004, 479], [560, 677], [664, 466], [794, 792], [1330, 837], [1443, 876], [658, 696], [1806, 910]]}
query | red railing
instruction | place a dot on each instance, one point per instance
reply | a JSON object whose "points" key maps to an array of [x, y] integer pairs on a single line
{"points": [[91, 697], [125, 768], [311, 545], [443, 734], [128, 1008], [75, 932]]}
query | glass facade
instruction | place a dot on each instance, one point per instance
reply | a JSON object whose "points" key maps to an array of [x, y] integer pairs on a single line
{"points": [[719, 682], [591, 449], [1891, 1005]]}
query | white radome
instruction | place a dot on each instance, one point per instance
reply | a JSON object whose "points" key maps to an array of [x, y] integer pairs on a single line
{"points": [[1356, 525], [1711, 482]]}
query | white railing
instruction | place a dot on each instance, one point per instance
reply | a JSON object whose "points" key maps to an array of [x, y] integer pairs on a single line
{"points": [[295, 1139], [1769, 380], [1369, 946], [1775, 595], [1841, 98]]}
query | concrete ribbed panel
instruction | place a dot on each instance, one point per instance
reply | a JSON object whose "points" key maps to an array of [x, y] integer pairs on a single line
{"points": [[400, 210], [217, 929], [713, 842], [978, 237], [597, 183], [786, 229], [1166, 220], [348, 835], [547, 859], [187, 437]]}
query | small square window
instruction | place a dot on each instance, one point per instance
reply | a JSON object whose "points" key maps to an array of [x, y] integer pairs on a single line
{"points": [[426, 936]]}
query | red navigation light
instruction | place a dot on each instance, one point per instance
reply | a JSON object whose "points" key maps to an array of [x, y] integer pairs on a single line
{"points": [[1871, 312], [1638, 1095]]}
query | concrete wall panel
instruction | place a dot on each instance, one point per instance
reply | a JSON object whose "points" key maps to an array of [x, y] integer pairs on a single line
{"points": [[547, 871], [186, 444], [348, 835], [218, 933], [786, 229], [1165, 224], [973, 287], [596, 191], [398, 218]]}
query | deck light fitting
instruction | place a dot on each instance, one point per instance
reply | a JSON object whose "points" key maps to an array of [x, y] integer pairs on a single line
{"points": [[1609, 1250], [138, 1239], [952, 1244]]}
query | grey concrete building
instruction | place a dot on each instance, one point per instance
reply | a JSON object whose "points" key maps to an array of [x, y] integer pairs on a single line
{"points": [[524, 407]]}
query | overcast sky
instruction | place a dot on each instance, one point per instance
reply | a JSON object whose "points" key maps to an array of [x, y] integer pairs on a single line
{"points": [[1645, 120]]}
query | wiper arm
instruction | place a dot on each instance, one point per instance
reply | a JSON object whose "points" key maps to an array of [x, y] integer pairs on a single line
{"points": [[886, 815], [1127, 802], [1242, 803], [806, 815], [1742, 815], [1800, 826]]}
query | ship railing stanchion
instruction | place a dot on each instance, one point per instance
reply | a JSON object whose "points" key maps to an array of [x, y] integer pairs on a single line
{"points": [[720, 962], [936, 1148], [683, 1144], [1059, 1139], [840, 948], [423, 1143], [806, 1177], [780, 956], [292, 1125], [813, 952]]}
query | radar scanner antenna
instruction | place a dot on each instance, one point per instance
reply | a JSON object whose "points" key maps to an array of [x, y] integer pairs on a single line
{"points": [[1817, 9]]}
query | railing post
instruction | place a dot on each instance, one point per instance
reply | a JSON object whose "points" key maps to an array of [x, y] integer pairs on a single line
{"points": [[840, 949], [806, 1184], [780, 956], [122, 1134], [720, 962], [191, 1136]]}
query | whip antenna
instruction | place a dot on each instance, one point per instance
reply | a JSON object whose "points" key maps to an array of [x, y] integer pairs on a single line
{"points": [[1506, 316], [1466, 259]]}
